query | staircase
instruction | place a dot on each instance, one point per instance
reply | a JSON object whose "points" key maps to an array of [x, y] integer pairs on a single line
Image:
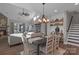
{"points": [[73, 35]]}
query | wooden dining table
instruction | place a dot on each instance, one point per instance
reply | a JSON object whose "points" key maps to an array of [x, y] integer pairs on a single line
{"points": [[37, 41]]}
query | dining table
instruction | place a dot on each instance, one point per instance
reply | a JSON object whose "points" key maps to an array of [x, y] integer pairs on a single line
{"points": [[38, 41]]}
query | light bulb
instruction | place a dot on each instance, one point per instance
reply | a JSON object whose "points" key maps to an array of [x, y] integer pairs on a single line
{"points": [[47, 20], [44, 20], [34, 19], [39, 20]]}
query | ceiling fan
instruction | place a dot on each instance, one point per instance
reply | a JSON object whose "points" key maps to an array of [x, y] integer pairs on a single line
{"points": [[24, 13]]}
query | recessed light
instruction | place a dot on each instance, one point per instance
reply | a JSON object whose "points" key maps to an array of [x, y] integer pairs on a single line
{"points": [[55, 10], [76, 4]]}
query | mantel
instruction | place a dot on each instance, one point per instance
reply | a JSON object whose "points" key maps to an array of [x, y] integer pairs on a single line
{"points": [[3, 27]]}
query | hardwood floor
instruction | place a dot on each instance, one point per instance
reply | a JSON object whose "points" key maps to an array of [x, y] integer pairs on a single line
{"points": [[70, 50], [5, 49]]}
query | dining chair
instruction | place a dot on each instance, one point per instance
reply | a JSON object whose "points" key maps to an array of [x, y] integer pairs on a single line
{"points": [[48, 48], [55, 43], [52, 46], [28, 48], [57, 50]]}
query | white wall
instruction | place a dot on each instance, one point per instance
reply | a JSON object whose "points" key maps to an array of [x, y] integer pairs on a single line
{"points": [[59, 16], [76, 19], [67, 18]]}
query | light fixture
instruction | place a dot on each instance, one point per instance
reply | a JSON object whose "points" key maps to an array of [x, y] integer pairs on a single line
{"points": [[43, 19], [23, 13], [39, 20]]}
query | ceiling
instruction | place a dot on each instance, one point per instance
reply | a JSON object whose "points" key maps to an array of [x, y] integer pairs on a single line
{"points": [[50, 8], [11, 10]]}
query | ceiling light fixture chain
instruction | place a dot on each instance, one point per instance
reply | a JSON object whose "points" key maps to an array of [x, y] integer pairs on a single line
{"points": [[43, 9], [23, 10]]}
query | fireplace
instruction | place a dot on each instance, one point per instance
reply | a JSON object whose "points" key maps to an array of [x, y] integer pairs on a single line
{"points": [[3, 31], [3, 24]]}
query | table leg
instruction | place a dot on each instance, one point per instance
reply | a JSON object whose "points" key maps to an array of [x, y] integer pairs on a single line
{"points": [[38, 49]]}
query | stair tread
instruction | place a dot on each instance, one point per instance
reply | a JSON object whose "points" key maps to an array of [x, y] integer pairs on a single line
{"points": [[73, 40], [74, 32], [74, 29], [74, 26], [74, 35], [73, 44]]}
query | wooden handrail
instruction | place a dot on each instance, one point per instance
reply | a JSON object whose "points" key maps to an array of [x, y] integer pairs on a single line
{"points": [[70, 24]]}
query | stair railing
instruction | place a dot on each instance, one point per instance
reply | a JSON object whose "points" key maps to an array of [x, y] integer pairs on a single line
{"points": [[70, 24]]}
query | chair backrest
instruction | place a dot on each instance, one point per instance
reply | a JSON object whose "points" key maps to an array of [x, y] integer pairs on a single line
{"points": [[56, 43], [49, 45], [52, 43], [26, 44]]}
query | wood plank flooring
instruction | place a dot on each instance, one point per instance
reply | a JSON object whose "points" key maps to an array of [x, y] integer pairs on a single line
{"points": [[5, 49]]}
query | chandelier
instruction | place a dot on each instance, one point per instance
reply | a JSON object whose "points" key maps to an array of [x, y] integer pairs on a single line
{"points": [[43, 19]]}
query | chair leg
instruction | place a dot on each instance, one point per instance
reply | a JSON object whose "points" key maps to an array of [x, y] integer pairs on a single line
{"points": [[67, 50]]}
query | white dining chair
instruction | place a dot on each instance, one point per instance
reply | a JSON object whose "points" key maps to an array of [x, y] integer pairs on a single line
{"points": [[52, 46], [57, 50], [28, 48], [48, 49]]}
